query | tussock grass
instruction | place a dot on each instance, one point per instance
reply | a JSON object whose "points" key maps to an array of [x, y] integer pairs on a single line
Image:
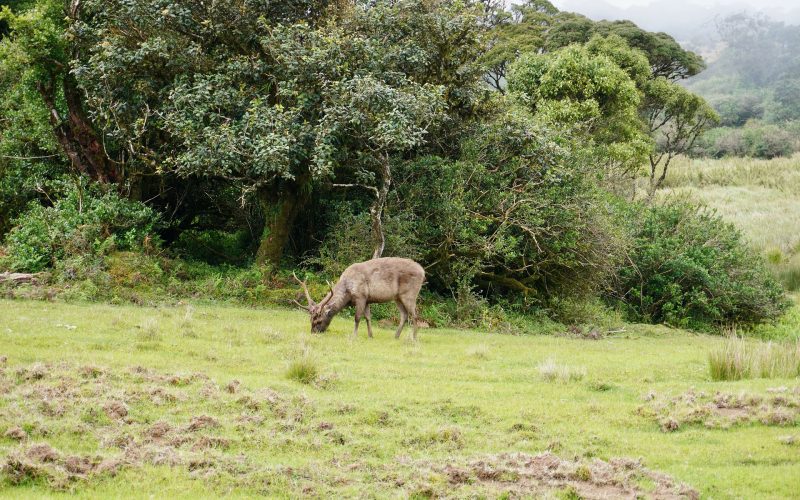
{"points": [[149, 330], [550, 371], [738, 359], [303, 369]]}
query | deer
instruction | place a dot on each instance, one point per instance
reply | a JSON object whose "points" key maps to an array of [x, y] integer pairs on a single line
{"points": [[373, 281]]}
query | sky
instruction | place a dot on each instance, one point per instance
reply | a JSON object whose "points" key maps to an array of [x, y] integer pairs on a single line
{"points": [[707, 3]]}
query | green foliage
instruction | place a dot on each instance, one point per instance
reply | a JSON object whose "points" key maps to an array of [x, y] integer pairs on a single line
{"points": [[83, 223], [516, 214], [29, 154], [349, 240], [689, 268], [585, 91]]}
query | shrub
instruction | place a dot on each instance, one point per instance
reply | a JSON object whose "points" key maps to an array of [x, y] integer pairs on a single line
{"points": [[689, 268], [80, 224], [518, 217], [756, 140]]}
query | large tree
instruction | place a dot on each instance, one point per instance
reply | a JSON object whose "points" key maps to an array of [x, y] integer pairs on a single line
{"points": [[259, 93]]}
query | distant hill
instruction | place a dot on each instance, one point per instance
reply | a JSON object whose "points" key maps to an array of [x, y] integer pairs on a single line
{"points": [[689, 23]]}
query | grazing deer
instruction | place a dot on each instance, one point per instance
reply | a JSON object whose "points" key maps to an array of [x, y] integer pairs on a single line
{"points": [[373, 281]]}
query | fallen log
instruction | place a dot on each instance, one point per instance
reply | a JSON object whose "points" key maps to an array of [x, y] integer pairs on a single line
{"points": [[19, 278]]}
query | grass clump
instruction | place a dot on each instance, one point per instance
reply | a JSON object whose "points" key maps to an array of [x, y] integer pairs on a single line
{"points": [[550, 371], [303, 369], [738, 359]]}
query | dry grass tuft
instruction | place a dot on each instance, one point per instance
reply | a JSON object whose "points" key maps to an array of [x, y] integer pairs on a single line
{"points": [[552, 372], [739, 359], [149, 331]]}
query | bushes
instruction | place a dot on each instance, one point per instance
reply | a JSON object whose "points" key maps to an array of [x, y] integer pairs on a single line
{"points": [[756, 140], [80, 224], [517, 216], [689, 268]]}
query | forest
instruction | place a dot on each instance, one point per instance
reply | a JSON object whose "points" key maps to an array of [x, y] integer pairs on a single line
{"points": [[155, 150]]}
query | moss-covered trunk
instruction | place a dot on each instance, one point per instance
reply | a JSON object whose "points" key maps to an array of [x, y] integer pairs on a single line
{"points": [[280, 212]]}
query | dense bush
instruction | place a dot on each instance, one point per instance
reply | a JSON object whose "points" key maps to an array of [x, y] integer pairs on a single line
{"points": [[82, 223], [756, 140], [517, 214], [689, 268]]}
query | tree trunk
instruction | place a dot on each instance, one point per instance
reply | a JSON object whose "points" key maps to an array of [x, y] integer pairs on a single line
{"points": [[280, 213], [376, 211], [102, 167], [75, 134], [655, 182]]}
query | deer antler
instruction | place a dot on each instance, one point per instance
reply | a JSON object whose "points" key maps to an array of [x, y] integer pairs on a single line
{"points": [[301, 306], [330, 294], [305, 289]]}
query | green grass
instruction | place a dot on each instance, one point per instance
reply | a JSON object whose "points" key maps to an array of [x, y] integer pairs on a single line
{"points": [[761, 197], [209, 409]]}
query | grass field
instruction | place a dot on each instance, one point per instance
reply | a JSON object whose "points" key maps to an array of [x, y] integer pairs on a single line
{"points": [[761, 197], [195, 400]]}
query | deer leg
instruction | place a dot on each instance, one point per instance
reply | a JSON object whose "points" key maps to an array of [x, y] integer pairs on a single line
{"points": [[368, 317], [411, 307], [403, 317], [360, 306]]}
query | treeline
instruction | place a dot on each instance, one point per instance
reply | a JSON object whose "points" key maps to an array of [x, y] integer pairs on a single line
{"points": [[754, 85], [500, 148]]}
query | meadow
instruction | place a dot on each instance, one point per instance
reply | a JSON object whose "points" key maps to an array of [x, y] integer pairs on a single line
{"points": [[761, 197], [203, 400]]}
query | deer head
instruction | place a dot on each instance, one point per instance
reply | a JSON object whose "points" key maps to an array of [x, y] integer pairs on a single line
{"points": [[320, 314]]}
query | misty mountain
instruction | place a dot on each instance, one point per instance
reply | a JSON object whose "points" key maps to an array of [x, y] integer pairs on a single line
{"points": [[694, 25]]}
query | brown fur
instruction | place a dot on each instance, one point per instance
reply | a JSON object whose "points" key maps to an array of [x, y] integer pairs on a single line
{"points": [[374, 281]]}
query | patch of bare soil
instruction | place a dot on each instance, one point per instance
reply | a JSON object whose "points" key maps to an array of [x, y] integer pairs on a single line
{"points": [[779, 407], [524, 475]]}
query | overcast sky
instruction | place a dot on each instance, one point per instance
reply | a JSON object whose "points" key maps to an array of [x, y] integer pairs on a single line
{"points": [[781, 4]]}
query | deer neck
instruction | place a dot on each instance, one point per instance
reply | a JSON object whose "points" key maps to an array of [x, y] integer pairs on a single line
{"points": [[339, 300]]}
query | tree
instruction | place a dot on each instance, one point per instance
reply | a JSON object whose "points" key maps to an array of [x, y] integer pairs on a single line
{"points": [[368, 123], [521, 30], [582, 90], [676, 118], [666, 56], [253, 93], [40, 57]]}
